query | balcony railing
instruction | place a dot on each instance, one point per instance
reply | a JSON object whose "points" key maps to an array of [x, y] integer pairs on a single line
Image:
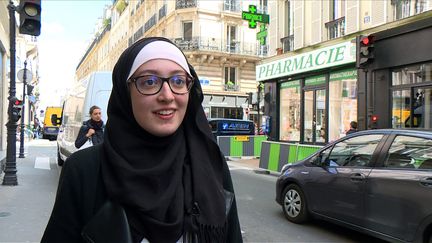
{"points": [[230, 5], [335, 28], [150, 23], [230, 87], [186, 4], [288, 43], [162, 11], [233, 47], [215, 44]]}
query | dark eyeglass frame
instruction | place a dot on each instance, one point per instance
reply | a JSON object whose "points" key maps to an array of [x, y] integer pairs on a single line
{"points": [[188, 86]]}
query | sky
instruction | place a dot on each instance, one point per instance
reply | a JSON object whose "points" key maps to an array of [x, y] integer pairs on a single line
{"points": [[67, 29]]}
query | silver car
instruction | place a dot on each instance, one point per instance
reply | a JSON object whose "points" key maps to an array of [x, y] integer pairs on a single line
{"points": [[378, 182]]}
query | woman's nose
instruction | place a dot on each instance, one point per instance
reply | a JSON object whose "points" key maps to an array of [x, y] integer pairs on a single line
{"points": [[166, 94]]}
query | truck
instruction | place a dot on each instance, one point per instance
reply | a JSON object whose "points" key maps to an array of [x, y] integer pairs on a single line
{"points": [[50, 130]]}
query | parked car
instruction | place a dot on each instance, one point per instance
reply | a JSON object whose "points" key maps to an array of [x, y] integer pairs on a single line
{"points": [[378, 182], [94, 89]]}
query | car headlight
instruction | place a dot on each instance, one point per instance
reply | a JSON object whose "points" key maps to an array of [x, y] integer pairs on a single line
{"points": [[285, 168]]}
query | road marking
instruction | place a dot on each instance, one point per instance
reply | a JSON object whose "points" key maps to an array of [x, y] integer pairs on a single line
{"points": [[42, 163]]}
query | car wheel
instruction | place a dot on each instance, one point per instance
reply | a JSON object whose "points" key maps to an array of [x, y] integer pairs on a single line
{"points": [[60, 162], [294, 204]]}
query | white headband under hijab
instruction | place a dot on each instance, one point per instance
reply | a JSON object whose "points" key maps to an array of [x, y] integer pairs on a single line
{"points": [[159, 50]]}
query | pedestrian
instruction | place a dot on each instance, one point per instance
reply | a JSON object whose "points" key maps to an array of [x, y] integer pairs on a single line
{"points": [[36, 127], [159, 175], [353, 127], [91, 129]]}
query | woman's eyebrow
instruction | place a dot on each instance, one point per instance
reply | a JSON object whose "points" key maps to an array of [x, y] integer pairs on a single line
{"points": [[157, 72]]}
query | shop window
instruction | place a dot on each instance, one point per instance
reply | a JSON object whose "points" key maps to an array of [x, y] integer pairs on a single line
{"points": [[343, 102], [226, 112], [412, 96], [414, 74], [290, 111], [401, 108]]}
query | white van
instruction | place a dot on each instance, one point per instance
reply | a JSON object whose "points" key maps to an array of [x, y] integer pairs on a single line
{"points": [[95, 89]]}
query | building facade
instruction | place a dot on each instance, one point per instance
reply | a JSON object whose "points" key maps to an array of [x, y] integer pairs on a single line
{"points": [[213, 36], [313, 88]]}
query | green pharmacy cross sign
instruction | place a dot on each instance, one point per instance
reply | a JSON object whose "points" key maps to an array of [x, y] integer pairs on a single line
{"points": [[261, 36], [253, 17]]}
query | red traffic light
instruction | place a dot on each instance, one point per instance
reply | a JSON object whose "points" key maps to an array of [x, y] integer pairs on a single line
{"points": [[367, 40], [374, 118], [18, 102]]}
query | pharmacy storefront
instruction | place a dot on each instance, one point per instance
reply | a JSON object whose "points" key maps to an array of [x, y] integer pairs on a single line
{"points": [[311, 97]]}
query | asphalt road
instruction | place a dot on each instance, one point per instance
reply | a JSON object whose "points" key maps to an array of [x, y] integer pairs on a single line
{"points": [[262, 220]]}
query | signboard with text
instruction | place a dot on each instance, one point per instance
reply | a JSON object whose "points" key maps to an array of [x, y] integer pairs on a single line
{"points": [[339, 54]]}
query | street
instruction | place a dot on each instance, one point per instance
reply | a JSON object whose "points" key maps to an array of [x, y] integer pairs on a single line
{"points": [[262, 219], [25, 209]]}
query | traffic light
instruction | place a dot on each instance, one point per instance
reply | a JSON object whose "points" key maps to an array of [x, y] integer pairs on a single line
{"points": [[249, 98], [15, 109], [30, 17], [365, 50]]}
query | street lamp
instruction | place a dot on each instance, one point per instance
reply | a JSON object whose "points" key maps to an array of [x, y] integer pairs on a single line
{"points": [[29, 24]]}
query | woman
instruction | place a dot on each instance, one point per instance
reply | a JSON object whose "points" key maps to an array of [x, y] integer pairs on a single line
{"points": [[91, 129], [159, 176]]}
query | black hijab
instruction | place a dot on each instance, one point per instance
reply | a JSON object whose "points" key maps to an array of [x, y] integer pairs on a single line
{"points": [[169, 186]]}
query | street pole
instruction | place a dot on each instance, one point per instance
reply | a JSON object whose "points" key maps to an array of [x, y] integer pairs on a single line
{"points": [[21, 150], [259, 108], [10, 176]]}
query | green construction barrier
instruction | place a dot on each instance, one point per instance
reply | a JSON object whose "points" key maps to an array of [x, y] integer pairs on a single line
{"points": [[239, 146], [274, 155]]}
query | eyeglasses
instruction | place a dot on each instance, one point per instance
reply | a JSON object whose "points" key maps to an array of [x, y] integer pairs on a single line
{"points": [[152, 84]]}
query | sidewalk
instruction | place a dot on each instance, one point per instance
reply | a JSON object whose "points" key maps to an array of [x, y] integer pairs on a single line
{"points": [[251, 162], [25, 208]]}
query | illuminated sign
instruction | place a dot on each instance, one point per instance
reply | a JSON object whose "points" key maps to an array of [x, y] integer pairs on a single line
{"points": [[235, 126], [253, 18]]}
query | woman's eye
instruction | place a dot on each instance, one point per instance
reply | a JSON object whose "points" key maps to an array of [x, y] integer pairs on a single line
{"points": [[178, 80], [149, 81]]}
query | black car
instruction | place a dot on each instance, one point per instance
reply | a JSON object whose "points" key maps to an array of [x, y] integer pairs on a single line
{"points": [[377, 181]]}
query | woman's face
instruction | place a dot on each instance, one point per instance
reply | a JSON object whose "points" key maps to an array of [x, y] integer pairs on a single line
{"points": [[96, 115], [162, 113]]}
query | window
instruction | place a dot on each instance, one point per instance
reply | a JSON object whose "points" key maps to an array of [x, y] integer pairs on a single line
{"points": [[187, 30], [414, 74], [230, 76], [354, 152], [289, 18], [231, 41], [343, 100], [337, 9], [411, 103], [422, 6], [263, 6], [401, 8], [410, 152], [290, 121]]}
